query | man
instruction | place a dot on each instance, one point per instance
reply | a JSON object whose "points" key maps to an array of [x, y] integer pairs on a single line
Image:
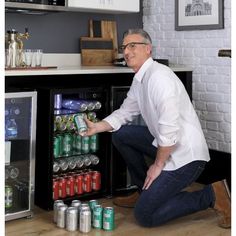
{"points": [[173, 138]]}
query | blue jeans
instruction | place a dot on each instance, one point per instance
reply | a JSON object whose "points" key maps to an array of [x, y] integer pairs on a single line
{"points": [[165, 199]]}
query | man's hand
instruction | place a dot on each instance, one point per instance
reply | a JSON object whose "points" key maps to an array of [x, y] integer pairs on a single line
{"points": [[91, 128], [97, 127], [153, 172]]}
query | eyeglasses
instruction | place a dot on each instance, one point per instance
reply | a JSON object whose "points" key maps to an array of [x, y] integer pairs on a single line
{"points": [[131, 45]]}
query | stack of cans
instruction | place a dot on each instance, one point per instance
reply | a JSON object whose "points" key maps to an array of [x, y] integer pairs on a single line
{"points": [[76, 183], [83, 216]]}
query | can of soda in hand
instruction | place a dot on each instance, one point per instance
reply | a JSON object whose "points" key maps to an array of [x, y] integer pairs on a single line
{"points": [[80, 123]]}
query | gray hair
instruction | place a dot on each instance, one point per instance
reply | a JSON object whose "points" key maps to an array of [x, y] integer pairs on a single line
{"points": [[141, 32]]}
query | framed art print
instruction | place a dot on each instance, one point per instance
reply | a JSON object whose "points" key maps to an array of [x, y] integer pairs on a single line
{"points": [[199, 14]]}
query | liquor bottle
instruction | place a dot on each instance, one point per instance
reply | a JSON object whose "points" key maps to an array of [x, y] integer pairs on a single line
{"points": [[77, 105]]}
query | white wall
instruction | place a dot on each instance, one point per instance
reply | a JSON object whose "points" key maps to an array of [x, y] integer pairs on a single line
{"points": [[199, 50]]}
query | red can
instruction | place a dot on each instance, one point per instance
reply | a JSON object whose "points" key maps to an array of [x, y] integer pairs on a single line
{"points": [[70, 186], [62, 187], [96, 180], [55, 193], [87, 183], [79, 184]]}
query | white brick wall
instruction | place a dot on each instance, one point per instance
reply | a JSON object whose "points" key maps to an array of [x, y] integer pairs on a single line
{"points": [[197, 49]]}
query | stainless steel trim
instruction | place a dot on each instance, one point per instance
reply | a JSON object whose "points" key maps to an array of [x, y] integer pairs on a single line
{"points": [[37, 7]]}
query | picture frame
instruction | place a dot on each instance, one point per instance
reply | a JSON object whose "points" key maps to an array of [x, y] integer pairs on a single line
{"points": [[199, 14]]}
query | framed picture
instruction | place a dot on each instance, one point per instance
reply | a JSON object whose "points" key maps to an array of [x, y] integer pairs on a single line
{"points": [[199, 14]]}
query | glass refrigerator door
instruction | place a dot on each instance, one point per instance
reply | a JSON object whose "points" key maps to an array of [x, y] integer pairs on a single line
{"points": [[20, 120]]}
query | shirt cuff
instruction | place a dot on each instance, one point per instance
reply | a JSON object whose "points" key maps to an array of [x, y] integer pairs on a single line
{"points": [[113, 123]]}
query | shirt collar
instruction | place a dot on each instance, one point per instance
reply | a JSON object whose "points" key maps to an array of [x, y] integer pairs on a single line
{"points": [[139, 75]]}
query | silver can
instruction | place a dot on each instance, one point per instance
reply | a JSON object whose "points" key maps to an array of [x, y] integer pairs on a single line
{"points": [[61, 216], [56, 204], [94, 159], [76, 203], [57, 101], [83, 206], [72, 219], [85, 220], [79, 162], [87, 160]]}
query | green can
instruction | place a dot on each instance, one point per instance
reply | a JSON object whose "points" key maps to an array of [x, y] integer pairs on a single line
{"points": [[67, 146], [91, 115], [108, 218], [92, 203], [85, 144], [97, 217], [80, 123], [93, 143], [8, 196], [77, 145], [56, 146]]}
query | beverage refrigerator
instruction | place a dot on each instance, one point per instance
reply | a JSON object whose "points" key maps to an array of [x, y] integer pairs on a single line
{"points": [[20, 134], [68, 165]]}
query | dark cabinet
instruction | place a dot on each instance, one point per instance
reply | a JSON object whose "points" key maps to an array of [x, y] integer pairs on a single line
{"points": [[110, 90]]}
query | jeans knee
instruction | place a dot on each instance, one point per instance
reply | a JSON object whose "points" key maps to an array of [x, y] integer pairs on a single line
{"points": [[142, 219], [118, 136]]}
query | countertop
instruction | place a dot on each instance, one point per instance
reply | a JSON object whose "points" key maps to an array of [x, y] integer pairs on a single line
{"points": [[71, 70]]}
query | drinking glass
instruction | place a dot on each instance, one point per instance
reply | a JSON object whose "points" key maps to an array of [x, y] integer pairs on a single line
{"points": [[38, 55], [28, 55]]}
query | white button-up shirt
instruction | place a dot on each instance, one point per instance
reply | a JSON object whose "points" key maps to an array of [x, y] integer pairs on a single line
{"points": [[160, 97]]}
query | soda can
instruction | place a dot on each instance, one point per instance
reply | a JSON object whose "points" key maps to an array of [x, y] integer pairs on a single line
{"points": [[72, 219], [85, 144], [96, 180], [87, 183], [76, 203], [57, 101], [67, 145], [87, 160], [80, 122], [56, 146], [55, 194], [61, 126], [79, 184], [92, 203], [90, 105], [61, 216], [91, 115], [97, 217], [77, 145], [62, 187], [93, 143], [72, 163], [85, 221], [108, 218], [63, 164], [94, 159], [58, 119], [56, 204], [97, 105], [79, 162], [70, 186], [8, 196]]}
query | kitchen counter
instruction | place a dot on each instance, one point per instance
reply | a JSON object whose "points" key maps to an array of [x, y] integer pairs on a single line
{"points": [[73, 70]]}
